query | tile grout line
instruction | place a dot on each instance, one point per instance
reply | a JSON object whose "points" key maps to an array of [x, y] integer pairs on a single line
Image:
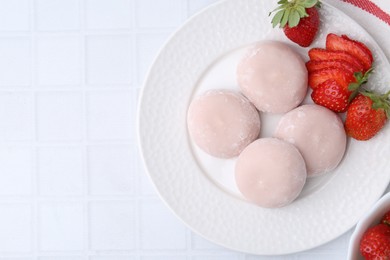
{"points": [[137, 185], [189, 233], [83, 81], [96, 32], [71, 143], [33, 79], [64, 88]]}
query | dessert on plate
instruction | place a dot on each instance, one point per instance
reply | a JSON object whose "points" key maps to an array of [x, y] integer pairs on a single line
{"points": [[273, 77], [270, 172], [222, 122], [319, 135]]}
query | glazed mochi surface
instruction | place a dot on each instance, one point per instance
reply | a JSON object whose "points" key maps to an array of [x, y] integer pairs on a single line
{"points": [[270, 172], [273, 77], [319, 135], [222, 122]]}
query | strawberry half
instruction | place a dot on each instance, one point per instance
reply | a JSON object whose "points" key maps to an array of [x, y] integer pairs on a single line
{"points": [[313, 65], [375, 243], [299, 19], [341, 76], [322, 54], [366, 115], [331, 95], [338, 43]]}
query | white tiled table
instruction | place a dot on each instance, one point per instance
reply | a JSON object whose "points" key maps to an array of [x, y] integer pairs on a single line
{"points": [[71, 183]]}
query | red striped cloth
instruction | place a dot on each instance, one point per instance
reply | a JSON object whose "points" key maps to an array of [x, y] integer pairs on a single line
{"points": [[372, 8]]}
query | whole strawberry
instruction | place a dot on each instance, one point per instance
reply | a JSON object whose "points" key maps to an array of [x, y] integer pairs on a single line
{"points": [[375, 243], [386, 219], [367, 114], [299, 19]]}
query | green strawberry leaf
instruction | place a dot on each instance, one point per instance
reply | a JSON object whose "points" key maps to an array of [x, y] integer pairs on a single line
{"points": [[276, 9], [376, 105], [294, 18], [367, 74], [385, 98], [277, 18], [309, 3], [353, 86], [292, 12], [353, 95], [285, 18], [358, 76], [302, 11], [379, 101], [368, 93]]}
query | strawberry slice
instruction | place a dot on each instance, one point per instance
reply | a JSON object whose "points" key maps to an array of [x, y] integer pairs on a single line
{"points": [[322, 54], [337, 43], [313, 65], [341, 76], [362, 45]]}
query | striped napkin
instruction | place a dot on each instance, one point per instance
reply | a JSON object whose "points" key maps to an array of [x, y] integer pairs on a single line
{"points": [[372, 17], [372, 8]]}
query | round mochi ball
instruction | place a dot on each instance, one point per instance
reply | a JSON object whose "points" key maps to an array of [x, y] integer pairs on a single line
{"points": [[273, 77], [222, 122], [319, 135], [270, 173]]}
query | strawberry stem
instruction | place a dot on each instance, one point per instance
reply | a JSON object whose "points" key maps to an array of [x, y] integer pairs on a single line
{"points": [[361, 79], [386, 95], [379, 101], [387, 104]]}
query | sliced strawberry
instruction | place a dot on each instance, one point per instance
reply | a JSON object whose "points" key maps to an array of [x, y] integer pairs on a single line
{"points": [[331, 95], [362, 45], [341, 76], [313, 65], [322, 54], [337, 43]]}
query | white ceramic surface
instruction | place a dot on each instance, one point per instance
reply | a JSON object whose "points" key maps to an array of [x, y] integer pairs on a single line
{"points": [[190, 184], [371, 218]]}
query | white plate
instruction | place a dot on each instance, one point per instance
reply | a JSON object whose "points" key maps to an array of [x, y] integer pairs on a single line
{"points": [[199, 189]]}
